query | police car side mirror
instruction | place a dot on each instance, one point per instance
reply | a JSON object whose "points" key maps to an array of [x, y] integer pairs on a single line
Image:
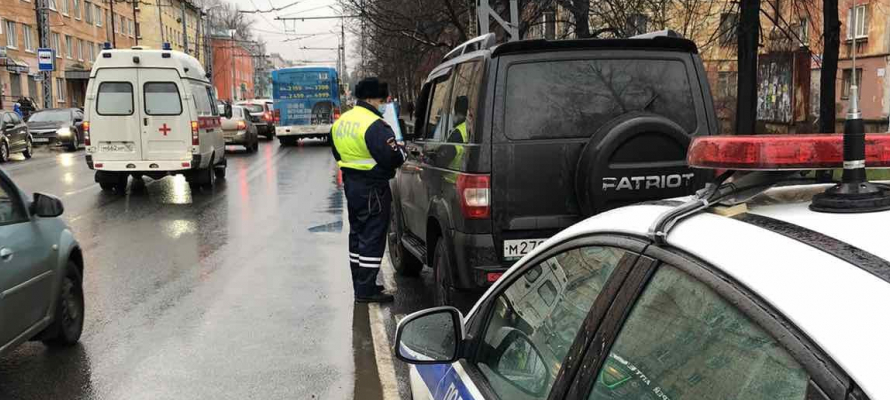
{"points": [[431, 336]]}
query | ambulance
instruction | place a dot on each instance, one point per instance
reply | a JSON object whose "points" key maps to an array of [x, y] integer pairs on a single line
{"points": [[151, 113]]}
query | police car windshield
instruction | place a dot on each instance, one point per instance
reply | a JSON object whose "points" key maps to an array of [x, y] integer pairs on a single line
{"points": [[51, 116]]}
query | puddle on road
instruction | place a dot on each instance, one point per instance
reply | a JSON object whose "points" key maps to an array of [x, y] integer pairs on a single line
{"points": [[334, 207]]}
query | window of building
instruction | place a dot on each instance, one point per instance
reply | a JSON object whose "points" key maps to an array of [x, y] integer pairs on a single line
{"points": [[32, 87], [88, 49], [69, 46], [637, 24], [80, 45], [51, 4], [803, 33], [729, 27], [99, 15], [703, 348], [11, 35], [727, 84], [28, 35], [60, 90], [848, 83], [132, 28], [859, 25], [88, 12], [76, 8], [56, 45], [15, 85]]}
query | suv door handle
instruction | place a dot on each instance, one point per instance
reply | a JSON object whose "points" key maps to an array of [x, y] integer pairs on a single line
{"points": [[5, 254]]}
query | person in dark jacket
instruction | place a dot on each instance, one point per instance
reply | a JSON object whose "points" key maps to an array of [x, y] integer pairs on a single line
{"points": [[366, 150]]}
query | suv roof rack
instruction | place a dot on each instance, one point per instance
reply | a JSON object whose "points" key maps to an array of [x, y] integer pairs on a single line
{"points": [[483, 42], [663, 41], [662, 33]]}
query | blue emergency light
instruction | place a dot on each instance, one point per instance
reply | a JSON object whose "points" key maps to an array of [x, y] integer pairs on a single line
{"points": [[106, 46], [167, 46]]}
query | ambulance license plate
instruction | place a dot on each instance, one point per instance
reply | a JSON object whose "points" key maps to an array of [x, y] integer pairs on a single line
{"points": [[116, 147], [519, 247], [41, 140]]}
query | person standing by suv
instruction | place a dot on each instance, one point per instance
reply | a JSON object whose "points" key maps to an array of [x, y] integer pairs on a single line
{"points": [[366, 151]]}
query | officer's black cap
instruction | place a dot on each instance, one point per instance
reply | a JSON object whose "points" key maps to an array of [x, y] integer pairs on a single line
{"points": [[371, 88]]}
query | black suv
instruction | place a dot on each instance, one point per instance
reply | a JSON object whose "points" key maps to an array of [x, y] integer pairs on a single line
{"points": [[518, 141]]}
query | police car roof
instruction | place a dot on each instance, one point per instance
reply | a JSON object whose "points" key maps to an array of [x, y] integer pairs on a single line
{"points": [[188, 66], [822, 271]]}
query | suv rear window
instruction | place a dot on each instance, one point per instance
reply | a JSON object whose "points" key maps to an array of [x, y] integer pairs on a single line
{"points": [[254, 108], [573, 98], [115, 98], [162, 98]]}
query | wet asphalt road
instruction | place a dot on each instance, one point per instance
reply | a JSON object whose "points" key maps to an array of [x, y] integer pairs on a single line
{"points": [[236, 292]]}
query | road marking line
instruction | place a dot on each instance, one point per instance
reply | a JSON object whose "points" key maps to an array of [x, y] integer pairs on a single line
{"points": [[385, 367], [73, 192]]}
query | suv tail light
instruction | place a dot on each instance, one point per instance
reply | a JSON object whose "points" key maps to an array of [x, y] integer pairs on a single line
{"points": [[86, 133], [242, 125], [475, 195], [196, 140], [267, 116], [276, 116], [336, 113]]}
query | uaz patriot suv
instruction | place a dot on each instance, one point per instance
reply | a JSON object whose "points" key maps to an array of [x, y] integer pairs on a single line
{"points": [[518, 141]]}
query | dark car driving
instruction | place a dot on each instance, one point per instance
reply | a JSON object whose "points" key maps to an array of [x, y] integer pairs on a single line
{"points": [[58, 126]]}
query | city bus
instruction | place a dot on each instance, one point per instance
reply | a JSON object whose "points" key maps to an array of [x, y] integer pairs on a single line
{"points": [[306, 102]]}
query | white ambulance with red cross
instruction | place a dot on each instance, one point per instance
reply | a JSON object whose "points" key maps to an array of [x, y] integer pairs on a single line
{"points": [[151, 113]]}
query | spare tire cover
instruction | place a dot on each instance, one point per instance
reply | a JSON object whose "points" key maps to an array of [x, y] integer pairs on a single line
{"points": [[633, 158]]}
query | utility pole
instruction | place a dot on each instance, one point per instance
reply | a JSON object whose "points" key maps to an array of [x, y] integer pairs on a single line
{"points": [[160, 21], [136, 24], [113, 30], [342, 52], [185, 30], [44, 39], [485, 11], [232, 55]]}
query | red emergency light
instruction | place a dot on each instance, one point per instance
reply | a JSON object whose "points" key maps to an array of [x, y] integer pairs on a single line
{"points": [[782, 152]]}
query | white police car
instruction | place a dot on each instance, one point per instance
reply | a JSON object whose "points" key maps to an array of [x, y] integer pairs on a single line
{"points": [[743, 291]]}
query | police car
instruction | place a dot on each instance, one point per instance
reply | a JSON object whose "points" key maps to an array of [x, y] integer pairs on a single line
{"points": [[765, 284]]}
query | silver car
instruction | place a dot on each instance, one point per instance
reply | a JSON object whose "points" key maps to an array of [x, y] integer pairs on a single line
{"points": [[41, 271], [240, 130]]}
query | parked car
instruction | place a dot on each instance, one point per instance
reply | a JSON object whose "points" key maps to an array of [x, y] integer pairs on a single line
{"points": [[763, 285], [151, 113], [57, 126], [514, 143], [41, 271], [240, 130], [261, 115], [14, 136]]}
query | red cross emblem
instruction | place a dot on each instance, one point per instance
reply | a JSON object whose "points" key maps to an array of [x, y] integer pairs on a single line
{"points": [[164, 129]]}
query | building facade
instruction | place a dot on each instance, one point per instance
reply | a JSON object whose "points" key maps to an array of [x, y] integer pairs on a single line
{"points": [[78, 29], [177, 22], [233, 70]]}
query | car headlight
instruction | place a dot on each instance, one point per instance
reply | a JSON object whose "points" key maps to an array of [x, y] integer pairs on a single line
{"points": [[64, 131]]}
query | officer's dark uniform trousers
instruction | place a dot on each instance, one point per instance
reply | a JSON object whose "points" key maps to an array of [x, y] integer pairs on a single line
{"points": [[368, 204]]}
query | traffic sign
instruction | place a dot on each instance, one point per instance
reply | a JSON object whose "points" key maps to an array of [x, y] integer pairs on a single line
{"points": [[45, 59]]}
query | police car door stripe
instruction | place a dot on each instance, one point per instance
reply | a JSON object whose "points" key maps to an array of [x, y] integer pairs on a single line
{"points": [[862, 259]]}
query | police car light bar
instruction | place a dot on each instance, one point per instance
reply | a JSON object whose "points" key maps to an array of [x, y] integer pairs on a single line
{"points": [[782, 152]]}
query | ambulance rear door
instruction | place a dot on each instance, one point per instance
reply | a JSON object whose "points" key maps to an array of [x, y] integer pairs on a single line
{"points": [[166, 123], [115, 116]]}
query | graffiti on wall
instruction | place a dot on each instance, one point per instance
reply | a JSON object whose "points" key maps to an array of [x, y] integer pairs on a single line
{"points": [[775, 85]]}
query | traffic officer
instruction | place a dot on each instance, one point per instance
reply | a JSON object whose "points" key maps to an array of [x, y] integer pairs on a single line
{"points": [[368, 155]]}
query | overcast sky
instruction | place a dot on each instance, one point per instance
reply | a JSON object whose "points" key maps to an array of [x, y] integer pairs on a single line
{"points": [[289, 37]]}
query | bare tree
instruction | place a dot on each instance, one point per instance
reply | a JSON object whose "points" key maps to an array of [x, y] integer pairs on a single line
{"points": [[748, 41], [832, 38]]}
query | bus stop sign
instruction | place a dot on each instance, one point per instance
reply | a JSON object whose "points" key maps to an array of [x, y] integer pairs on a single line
{"points": [[45, 60]]}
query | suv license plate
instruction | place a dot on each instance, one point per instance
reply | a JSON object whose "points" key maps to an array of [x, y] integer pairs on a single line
{"points": [[123, 147], [519, 247]]}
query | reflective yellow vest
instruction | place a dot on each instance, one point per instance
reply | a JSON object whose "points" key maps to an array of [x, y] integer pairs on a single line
{"points": [[349, 138], [459, 149]]}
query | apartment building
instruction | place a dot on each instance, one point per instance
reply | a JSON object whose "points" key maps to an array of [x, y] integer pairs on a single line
{"points": [[78, 29], [233, 70], [177, 22]]}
